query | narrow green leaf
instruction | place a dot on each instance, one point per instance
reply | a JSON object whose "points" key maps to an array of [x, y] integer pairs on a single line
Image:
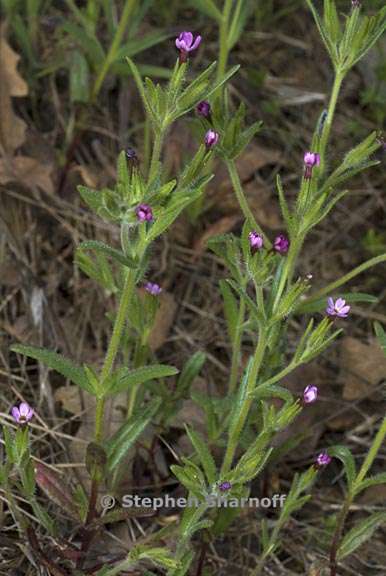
{"points": [[204, 455], [345, 456], [381, 335], [118, 446], [360, 534], [117, 255], [58, 363], [140, 376]]}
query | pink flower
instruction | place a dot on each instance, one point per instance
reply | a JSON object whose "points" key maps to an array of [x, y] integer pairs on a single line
{"points": [[256, 241], [144, 213], [310, 394], [281, 244], [338, 308], [323, 459], [185, 44], [23, 414], [203, 108], [311, 159], [224, 486], [211, 138], [153, 288]]}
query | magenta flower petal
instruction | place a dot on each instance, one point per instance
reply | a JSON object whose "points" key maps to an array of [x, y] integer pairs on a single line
{"points": [[310, 394], [256, 241], [196, 43], [211, 139], [15, 413], [153, 288], [323, 459], [23, 413]]}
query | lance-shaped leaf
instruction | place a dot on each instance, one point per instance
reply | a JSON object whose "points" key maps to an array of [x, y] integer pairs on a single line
{"points": [[118, 446], [206, 458], [360, 534], [189, 372], [58, 363], [140, 376], [381, 335], [345, 456], [117, 255]]}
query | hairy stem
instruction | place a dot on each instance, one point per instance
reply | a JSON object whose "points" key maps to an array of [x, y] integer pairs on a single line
{"points": [[344, 279], [114, 344], [130, 5], [157, 148], [224, 49], [338, 534], [236, 348], [238, 428], [329, 119], [248, 215]]}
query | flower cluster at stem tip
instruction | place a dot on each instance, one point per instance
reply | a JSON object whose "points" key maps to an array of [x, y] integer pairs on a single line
{"points": [[339, 308], [23, 413], [153, 288], [311, 159], [211, 139], [323, 459], [203, 109], [185, 43], [144, 213]]}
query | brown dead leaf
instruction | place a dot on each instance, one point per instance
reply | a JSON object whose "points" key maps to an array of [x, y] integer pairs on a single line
{"points": [[362, 367], [12, 128], [222, 226], [163, 321], [27, 171]]}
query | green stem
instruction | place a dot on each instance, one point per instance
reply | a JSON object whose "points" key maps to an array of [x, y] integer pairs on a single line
{"points": [[344, 279], [248, 215], [377, 443], [238, 428], [158, 139], [236, 347], [113, 348], [112, 53], [224, 50], [330, 116], [139, 360], [289, 268], [338, 534]]}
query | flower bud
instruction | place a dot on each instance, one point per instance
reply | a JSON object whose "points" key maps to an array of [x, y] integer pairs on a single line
{"points": [[281, 244], [310, 394], [256, 241], [211, 139]]}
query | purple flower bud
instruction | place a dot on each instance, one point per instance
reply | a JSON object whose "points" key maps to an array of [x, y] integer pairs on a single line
{"points": [[224, 486], [256, 241], [338, 308], [281, 244], [211, 138], [310, 394], [311, 159], [203, 108], [144, 213], [153, 288], [23, 414], [323, 459], [185, 44], [355, 4]]}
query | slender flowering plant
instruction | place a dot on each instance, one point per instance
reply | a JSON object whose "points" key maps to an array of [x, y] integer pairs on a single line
{"points": [[265, 300]]}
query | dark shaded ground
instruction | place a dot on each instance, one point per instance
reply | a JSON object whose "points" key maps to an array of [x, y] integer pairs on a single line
{"points": [[284, 81]]}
